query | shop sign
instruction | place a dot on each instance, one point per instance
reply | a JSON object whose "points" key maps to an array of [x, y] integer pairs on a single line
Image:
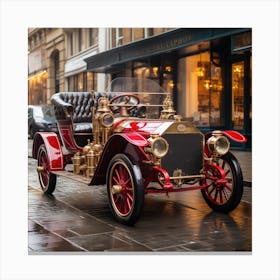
{"points": [[241, 41]]}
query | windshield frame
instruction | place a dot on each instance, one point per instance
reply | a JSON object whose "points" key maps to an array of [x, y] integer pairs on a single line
{"points": [[151, 96]]}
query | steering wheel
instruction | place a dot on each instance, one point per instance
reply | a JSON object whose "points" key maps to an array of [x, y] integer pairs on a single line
{"points": [[122, 107]]}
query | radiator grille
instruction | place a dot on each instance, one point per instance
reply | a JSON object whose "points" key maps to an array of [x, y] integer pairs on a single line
{"points": [[185, 153]]}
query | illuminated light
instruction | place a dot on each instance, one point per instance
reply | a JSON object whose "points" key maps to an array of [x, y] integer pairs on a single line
{"points": [[237, 69], [200, 71], [38, 75], [168, 68], [207, 84], [155, 71], [171, 84]]}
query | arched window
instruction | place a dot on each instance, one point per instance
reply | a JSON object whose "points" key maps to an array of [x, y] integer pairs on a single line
{"points": [[55, 63]]}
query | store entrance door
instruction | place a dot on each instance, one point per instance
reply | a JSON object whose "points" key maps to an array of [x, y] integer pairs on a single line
{"points": [[241, 103]]}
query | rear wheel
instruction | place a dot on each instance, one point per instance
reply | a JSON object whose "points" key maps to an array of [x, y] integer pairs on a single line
{"points": [[225, 184], [125, 190], [46, 178]]}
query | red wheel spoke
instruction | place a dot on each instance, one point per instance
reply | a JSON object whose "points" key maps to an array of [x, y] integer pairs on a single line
{"points": [[118, 175], [228, 187], [128, 203], [116, 198], [229, 180], [225, 195], [213, 178], [216, 194], [227, 172], [126, 182], [221, 196], [212, 190], [116, 180], [120, 204], [130, 196], [124, 204]]}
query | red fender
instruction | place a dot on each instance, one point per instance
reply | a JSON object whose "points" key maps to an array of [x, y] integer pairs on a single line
{"points": [[136, 139], [53, 147], [117, 143], [231, 134], [235, 136]]}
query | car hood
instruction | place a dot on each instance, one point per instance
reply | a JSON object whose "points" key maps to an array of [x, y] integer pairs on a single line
{"points": [[148, 127]]}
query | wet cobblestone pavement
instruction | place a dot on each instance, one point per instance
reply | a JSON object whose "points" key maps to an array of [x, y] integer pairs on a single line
{"points": [[76, 218]]}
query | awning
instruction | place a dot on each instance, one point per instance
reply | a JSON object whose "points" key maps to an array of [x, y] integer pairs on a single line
{"points": [[165, 42]]}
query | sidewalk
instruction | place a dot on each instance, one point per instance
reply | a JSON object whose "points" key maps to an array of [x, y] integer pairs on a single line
{"points": [[245, 160]]}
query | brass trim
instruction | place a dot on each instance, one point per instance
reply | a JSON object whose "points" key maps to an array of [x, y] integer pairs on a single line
{"points": [[152, 140], [176, 128], [218, 139], [188, 177], [40, 168], [116, 189], [168, 108]]}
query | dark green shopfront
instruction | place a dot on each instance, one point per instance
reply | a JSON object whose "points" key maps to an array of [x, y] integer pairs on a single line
{"points": [[208, 71]]}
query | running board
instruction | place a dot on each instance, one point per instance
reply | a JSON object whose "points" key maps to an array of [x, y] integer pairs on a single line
{"points": [[72, 176]]}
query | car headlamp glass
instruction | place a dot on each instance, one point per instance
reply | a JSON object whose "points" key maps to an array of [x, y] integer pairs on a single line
{"points": [[218, 144], [159, 146], [107, 119]]}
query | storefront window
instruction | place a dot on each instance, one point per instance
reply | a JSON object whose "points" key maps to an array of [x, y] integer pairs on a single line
{"points": [[167, 79], [80, 82], [85, 81], [90, 85], [156, 73], [37, 88], [200, 90], [238, 95]]}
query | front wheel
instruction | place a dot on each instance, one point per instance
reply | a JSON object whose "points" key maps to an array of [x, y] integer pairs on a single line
{"points": [[125, 190], [46, 178], [224, 183]]}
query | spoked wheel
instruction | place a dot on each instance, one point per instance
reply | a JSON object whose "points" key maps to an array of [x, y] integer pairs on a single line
{"points": [[225, 184], [125, 190], [46, 178]]}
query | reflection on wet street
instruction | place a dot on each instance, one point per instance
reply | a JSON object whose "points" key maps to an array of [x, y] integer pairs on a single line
{"points": [[77, 218]]}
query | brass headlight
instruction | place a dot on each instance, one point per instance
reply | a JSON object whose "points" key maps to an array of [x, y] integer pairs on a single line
{"points": [[107, 119], [158, 146], [218, 144]]}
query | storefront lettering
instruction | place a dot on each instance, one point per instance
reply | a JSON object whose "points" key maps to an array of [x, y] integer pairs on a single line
{"points": [[163, 45]]}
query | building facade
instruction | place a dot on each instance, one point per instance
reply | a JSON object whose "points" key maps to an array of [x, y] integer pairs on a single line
{"points": [[46, 57], [207, 70], [56, 61]]}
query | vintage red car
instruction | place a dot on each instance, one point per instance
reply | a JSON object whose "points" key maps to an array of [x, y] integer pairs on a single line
{"points": [[130, 139]]}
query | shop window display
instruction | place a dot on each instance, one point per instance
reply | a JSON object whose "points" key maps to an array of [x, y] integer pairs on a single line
{"points": [[238, 95], [200, 90]]}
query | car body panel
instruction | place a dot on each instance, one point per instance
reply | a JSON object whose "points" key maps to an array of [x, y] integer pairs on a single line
{"points": [[130, 144], [53, 147]]}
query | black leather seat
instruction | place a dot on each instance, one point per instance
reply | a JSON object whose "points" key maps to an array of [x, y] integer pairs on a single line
{"points": [[74, 107]]}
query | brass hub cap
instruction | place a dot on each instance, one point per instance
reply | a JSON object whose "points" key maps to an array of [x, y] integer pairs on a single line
{"points": [[116, 189]]}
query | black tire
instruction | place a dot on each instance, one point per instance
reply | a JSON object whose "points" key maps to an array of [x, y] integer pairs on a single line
{"points": [[225, 197], [126, 199], [46, 178], [31, 132]]}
